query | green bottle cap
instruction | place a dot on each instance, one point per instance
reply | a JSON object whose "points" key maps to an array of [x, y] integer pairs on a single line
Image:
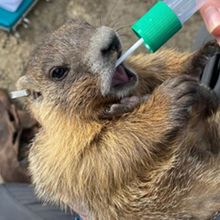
{"points": [[157, 26]]}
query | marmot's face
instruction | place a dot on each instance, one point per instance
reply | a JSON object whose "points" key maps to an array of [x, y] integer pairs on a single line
{"points": [[75, 66]]}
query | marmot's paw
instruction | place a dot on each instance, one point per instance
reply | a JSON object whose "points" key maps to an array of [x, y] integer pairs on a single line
{"points": [[201, 58], [210, 48], [183, 94], [126, 105]]}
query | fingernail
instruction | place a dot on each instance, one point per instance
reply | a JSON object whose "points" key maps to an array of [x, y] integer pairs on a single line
{"points": [[212, 18]]}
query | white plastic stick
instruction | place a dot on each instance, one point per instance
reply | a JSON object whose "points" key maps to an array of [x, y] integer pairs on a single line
{"points": [[19, 93], [129, 52]]}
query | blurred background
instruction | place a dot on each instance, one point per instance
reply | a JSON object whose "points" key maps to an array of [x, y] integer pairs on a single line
{"points": [[46, 17]]}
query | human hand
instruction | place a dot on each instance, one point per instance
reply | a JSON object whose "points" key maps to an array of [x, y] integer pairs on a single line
{"points": [[211, 16]]}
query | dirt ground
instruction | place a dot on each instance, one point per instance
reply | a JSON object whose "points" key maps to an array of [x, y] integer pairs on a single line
{"points": [[46, 17]]}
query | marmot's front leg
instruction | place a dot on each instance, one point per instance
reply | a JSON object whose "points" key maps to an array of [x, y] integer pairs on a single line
{"points": [[170, 107]]}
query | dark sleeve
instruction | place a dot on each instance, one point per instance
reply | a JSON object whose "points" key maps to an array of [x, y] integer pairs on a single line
{"points": [[17, 201]]}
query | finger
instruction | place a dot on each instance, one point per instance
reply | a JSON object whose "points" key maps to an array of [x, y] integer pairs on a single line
{"points": [[211, 16]]}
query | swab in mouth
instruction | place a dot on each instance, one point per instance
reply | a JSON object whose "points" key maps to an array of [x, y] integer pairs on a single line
{"points": [[19, 94]]}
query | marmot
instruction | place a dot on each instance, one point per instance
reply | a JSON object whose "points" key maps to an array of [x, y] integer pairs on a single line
{"points": [[140, 141]]}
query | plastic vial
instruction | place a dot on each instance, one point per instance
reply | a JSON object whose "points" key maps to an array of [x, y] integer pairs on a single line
{"points": [[161, 22]]}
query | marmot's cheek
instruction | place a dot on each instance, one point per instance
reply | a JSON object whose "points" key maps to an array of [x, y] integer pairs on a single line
{"points": [[105, 83], [23, 83], [26, 82], [40, 110]]}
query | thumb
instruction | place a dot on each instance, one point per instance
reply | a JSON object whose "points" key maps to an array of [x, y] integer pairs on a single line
{"points": [[211, 17]]}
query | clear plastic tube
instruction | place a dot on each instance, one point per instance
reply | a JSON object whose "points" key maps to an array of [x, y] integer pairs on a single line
{"points": [[184, 9]]}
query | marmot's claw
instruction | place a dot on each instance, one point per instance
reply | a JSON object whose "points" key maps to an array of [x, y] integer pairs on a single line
{"points": [[185, 92], [126, 105]]}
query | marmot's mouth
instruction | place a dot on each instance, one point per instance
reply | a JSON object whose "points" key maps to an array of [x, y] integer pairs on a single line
{"points": [[35, 96], [123, 77]]}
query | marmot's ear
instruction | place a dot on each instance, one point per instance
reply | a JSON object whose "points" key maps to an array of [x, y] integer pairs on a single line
{"points": [[23, 82]]}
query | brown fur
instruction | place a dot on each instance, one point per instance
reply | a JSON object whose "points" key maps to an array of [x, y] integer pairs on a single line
{"points": [[156, 162]]}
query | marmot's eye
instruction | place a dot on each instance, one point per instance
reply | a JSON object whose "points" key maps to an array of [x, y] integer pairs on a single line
{"points": [[58, 73]]}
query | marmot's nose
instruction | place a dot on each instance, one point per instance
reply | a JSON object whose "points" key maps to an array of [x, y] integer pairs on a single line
{"points": [[112, 46], [104, 48], [107, 43]]}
